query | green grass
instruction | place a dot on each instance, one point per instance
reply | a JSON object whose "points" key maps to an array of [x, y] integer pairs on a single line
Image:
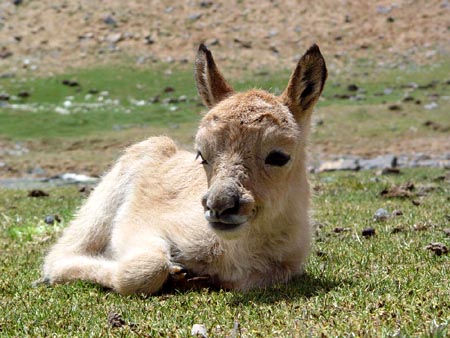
{"points": [[385, 285], [37, 117]]}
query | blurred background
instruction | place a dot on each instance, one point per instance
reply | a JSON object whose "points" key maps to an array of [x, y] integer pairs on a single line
{"points": [[81, 79]]}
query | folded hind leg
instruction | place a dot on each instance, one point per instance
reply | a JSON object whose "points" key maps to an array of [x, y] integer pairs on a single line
{"points": [[77, 267]]}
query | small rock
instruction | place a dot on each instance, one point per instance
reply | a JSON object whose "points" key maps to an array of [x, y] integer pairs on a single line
{"points": [[429, 85], [341, 96], [368, 232], [408, 99], [23, 94], [390, 19], [431, 106], [379, 162], [205, 4], [447, 232], [388, 91], [394, 107], [243, 44], [436, 126], [115, 320], [5, 53], [169, 89], [86, 189], [381, 215], [397, 212], [212, 42], [416, 203], [154, 99], [17, 2], [37, 193], [384, 9], [109, 20], [352, 87], [341, 164], [114, 37], [398, 229], [401, 191], [78, 178], [51, 219], [199, 330], [194, 16], [338, 230], [149, 40], [236, 332], [438, 248], [4, 97]]}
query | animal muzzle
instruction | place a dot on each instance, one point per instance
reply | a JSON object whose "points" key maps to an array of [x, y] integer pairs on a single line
{"points": [[226, 208]]}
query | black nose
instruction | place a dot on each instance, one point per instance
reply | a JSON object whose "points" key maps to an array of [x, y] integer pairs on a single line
{"points": [[221, 204]]}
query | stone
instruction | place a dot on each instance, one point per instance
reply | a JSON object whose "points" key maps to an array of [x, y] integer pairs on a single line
{"points": [[199, 330], [438, 248], [194, 16], [381, 215], [341, 164], [379, 162], [109, 20], [368, 232], [114, 37], [431, 106]]}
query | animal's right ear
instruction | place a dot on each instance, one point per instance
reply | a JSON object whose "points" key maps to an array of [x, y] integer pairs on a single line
{"points": [[211, 85]]}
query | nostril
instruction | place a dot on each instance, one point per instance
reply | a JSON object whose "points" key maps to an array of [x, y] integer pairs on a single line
{"points": [[233, 210], [205, 202]]}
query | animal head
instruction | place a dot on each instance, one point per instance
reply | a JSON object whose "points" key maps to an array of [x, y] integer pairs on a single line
{"points": [[251, 144]]}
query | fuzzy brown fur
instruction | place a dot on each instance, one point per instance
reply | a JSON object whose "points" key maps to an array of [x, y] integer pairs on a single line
{"points": [[237, 213]]}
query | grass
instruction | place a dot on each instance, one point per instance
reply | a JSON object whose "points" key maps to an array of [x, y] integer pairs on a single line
{"points": [[385, 285], [120, 94], [98, 126]]}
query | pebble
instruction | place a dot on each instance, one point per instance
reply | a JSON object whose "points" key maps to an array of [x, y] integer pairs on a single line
{"points": [[194, 16], [114, 37], [109, 20], [4, 97], [381, 215], [431, 106], [368, 232], [199, 330], [50, 219], [341, 164]]}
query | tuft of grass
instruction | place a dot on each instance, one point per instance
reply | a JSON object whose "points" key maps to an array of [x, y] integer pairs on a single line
{"points": [[384, 285]]}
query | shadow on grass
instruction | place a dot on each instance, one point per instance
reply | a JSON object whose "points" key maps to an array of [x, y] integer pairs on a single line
{"points": [[305, 286]]}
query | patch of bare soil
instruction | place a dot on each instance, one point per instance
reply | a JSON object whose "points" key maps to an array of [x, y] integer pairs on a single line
{"points": [[49, 36]]}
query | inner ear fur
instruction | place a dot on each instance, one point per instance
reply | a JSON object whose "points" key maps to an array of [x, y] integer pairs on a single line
{"points": [[211, 85], [306, 83]]}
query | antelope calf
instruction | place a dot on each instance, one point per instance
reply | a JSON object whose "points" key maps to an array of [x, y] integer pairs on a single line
{"points": [[236, 211]]}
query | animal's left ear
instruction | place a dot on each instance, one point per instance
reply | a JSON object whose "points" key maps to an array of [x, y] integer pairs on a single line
{"points": [[211, 84], [306, 84]]}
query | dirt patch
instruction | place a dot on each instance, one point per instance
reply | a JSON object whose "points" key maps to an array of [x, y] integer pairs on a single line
{"points": [[50, 36]]}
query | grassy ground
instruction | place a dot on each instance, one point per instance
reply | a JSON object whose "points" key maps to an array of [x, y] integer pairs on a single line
{"points": [[83, 128], [384, 285]]}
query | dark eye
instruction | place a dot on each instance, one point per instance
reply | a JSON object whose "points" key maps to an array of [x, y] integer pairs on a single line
{"points": [[199, 154], [277, 158]]}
